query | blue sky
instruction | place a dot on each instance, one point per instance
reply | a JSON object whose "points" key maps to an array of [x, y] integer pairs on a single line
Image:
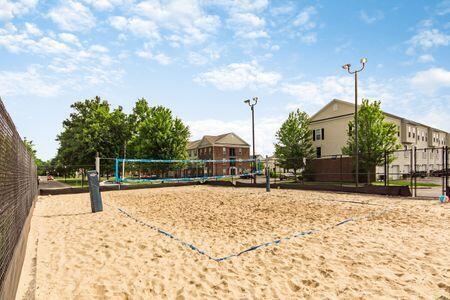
{"points": [[202, 58]]}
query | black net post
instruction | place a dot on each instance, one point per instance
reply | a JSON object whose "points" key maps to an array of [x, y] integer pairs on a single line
{"points": [[94, 190]]}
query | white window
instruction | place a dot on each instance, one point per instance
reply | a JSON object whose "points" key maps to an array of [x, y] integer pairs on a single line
{"points": [[224, 171], [319, 134], [224, 150], [406, 169], [240, 151]]}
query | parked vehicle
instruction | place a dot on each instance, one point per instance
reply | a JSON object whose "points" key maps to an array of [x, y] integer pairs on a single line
{"points": [[247, 176], [286, 176]]}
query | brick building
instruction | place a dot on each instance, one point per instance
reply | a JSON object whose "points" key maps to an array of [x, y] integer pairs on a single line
{"points": [[226, 147]]}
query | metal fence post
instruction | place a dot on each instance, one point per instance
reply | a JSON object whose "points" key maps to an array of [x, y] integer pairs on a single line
{"points": [[447, 188], [443, 171], [267, 174], [415, 171], [411, 170], [385, 168]]}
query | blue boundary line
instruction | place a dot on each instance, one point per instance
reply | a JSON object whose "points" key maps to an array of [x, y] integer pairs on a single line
{"points": [[259, 246]]}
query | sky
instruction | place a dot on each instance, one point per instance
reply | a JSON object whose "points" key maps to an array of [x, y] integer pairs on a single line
{"points": [[203, 58]]}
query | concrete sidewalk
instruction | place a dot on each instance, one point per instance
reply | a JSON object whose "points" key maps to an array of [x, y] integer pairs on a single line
{"points": [[53, 185]]}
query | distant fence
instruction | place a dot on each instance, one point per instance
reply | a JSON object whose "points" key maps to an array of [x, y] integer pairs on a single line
{"points": [[425, 171], [18, 190]]}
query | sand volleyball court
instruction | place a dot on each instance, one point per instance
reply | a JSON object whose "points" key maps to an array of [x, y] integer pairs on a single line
{"points": [[387, 247]]}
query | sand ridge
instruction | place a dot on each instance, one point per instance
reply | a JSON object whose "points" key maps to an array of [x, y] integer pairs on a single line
{"points": [[402, 253]]}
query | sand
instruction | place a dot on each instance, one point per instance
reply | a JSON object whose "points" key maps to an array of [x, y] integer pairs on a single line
{"points": [[396, 248]]}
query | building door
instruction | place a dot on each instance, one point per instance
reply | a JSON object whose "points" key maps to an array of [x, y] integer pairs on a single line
{"points": [[395, 172], [233, 171]]}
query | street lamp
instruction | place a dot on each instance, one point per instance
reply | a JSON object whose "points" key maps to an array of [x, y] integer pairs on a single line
{"points": [[252, 104], [347, 67]]}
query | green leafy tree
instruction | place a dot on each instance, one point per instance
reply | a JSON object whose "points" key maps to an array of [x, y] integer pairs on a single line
{"points": [[157, 134], [92, 127], [294, 142], [29, 145], [376, 137]]}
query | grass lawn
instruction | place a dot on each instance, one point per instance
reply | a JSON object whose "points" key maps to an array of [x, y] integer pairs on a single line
{"points": [[76, 182], [408, 183]]}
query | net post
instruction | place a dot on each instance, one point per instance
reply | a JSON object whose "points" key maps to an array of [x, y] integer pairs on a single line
{"points": [[94, 191], [116, 171], [267, 174], [97, 163]]}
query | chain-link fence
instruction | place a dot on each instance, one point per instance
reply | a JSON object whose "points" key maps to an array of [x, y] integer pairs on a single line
{"points": [[424, 171], [18, 189]]}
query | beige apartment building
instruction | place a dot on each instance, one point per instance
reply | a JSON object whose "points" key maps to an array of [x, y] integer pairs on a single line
{"points": [[330, 124]]}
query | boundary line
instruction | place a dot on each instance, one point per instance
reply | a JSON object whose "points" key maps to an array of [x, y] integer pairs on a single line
{"points": [[259, 246]]}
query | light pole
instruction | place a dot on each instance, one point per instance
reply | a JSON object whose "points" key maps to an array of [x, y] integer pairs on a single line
{"points": [[347, 67], [252, 106]]}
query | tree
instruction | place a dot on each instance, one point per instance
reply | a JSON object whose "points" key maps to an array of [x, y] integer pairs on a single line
{"points": [[157, 134], [294, 142], [29, 145], [376, 137], [92, 128]]}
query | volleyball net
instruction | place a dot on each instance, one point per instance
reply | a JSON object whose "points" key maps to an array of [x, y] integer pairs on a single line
{"points": [[169, 170]]}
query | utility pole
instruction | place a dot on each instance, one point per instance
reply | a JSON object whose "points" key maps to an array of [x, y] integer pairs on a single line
{"points": [[252, 106], [347, 67]]}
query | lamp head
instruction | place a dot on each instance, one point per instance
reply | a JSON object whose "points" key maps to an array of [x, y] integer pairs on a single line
{"points": [[346, 66], [247, 101], [363, 60]]}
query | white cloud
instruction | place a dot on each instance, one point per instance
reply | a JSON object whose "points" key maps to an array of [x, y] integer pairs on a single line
{"points": [[98, 48], [264, 132], [30, 82], [247, 25], [185, 20], [430, 80], [304, 18], [443, 8], [317, 93], [309, 38], [32, 29], [240, 5], [72, 16], [147, 53], [138, 26], [426, 58], [206, 55], [106, 5], [428, 38], [118, 22], [11, 9], [238, 76], [69, 38], [371, 18]]}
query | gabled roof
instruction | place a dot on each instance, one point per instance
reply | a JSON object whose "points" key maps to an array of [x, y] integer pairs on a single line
{"points": [[193, 144], [216, 140]]}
